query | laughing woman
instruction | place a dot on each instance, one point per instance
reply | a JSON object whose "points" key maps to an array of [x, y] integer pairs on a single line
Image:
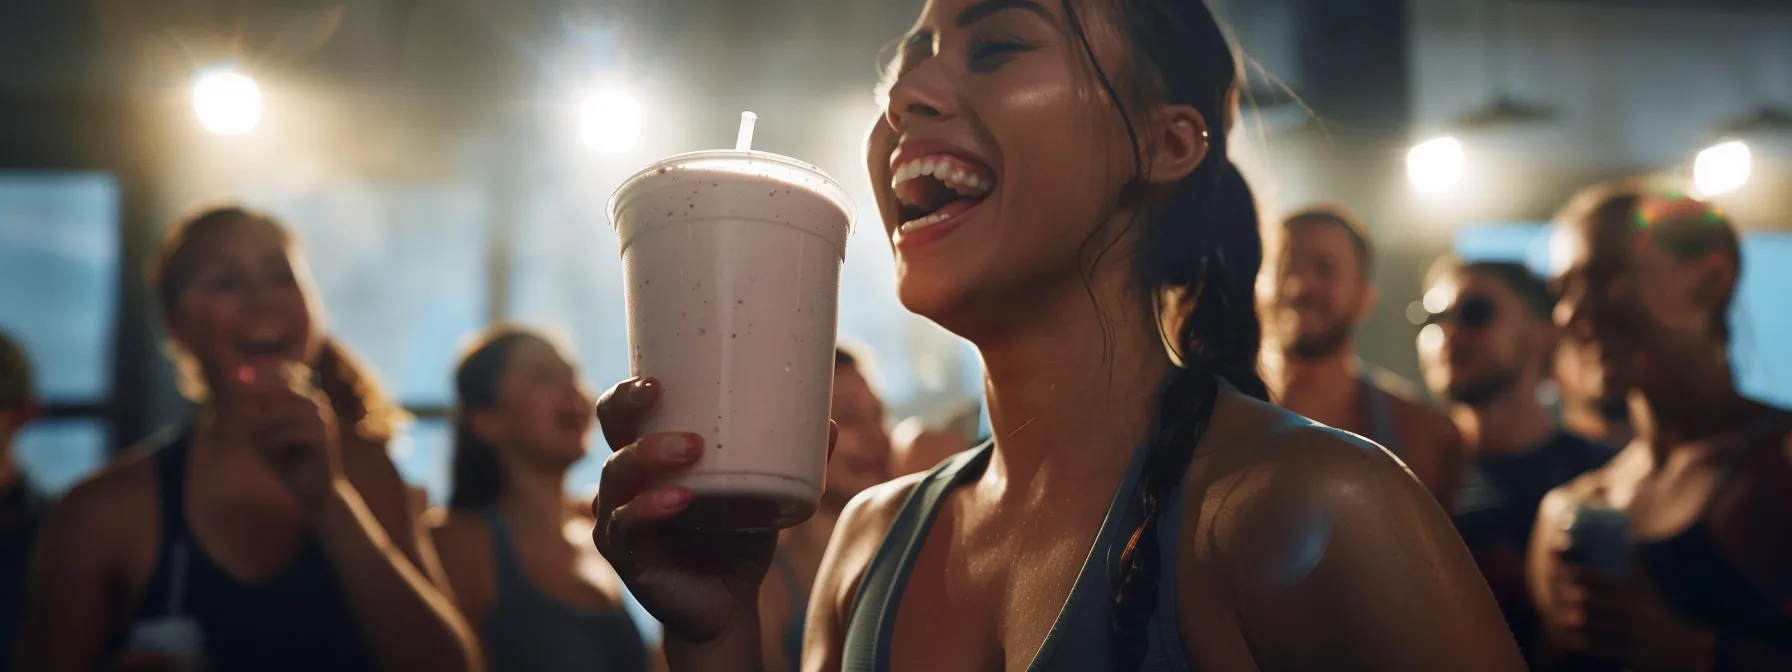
{"points": [[272, 532], [1054, 182], [542, 599]]}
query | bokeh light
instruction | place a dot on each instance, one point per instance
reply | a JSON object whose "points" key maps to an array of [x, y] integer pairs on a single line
{"points": [[610, 121], [227, 102], [1435, 165], [1722, 168]]}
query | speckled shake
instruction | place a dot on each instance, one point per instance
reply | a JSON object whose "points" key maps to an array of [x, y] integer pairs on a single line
{"points": [[732, 265]]}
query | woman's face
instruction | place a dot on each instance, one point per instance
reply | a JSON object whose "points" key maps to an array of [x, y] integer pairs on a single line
{"points": [[999, 154], [1634, 314], [543, 414], [861, 456], [247, 301]]}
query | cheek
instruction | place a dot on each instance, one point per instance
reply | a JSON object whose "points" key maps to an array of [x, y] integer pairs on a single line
{"points": [[1055, 183]]}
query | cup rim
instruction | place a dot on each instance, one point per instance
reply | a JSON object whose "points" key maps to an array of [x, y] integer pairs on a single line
{"points": [[828, 188]]}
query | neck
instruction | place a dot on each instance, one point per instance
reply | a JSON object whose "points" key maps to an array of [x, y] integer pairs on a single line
{"points": [[1700, 406], [1330, 376], [1584, 417], [1074, 389], [531, 496], [1513, 423]]}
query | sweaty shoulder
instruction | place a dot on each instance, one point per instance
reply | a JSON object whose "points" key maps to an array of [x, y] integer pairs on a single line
{"points": [[464, 543], [119, 493], [861, 530], [1304, 524], [111, 517]]}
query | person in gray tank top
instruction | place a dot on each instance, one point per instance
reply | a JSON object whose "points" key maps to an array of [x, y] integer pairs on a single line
{"points": [[1054, 180], [542, 601]]}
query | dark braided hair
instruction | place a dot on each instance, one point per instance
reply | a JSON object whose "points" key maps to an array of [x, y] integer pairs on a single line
{"points": [[1196, 259]]}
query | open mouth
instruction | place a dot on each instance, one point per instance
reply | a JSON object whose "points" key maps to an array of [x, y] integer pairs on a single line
{"points": [[936, 188], [263, 344]]}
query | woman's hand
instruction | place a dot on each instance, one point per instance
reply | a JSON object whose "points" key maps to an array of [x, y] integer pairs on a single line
{"points": [[291, 425], [696, 583]]}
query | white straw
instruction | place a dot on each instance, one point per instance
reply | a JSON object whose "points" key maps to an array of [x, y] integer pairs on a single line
{"points": [[744, 141]]}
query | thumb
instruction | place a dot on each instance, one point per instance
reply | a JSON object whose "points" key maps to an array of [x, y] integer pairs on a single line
{"points": [[833, 438]]}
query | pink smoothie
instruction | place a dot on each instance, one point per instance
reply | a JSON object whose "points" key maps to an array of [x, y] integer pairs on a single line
{"points": [[732, 266]]}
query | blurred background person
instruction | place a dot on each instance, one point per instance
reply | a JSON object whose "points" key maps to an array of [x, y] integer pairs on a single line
{"points": [[514, 543], [1316, 291], [1586, 408], [920, 443], [22, 505], [272, 532], [861, 459], [1676, 555], [1486, 350]]}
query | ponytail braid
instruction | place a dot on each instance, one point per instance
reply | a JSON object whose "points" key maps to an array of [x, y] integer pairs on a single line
{"points": [[1203, 247]]}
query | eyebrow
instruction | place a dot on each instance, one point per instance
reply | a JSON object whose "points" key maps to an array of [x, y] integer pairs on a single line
{"points": [[985, 9], [979, 12]]}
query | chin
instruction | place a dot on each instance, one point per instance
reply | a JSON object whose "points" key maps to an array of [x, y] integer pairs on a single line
{"points": [[936, 296]]}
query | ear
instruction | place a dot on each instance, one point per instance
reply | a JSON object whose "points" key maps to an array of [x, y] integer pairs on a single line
{"points": [[1177, 144]]}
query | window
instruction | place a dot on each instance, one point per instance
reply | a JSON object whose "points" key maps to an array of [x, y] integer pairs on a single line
{"points": [[59, 256]]}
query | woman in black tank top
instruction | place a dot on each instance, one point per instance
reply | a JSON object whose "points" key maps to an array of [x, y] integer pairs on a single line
{"points": [[273, 533], [1699, 574], [541, 600], [1054, 180]]}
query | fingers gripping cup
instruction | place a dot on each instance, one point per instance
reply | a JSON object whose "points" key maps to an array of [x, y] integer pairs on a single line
{"points": [[731, 262]]}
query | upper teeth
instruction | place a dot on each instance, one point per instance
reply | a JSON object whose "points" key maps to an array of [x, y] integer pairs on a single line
{"points": [[950, 171]]}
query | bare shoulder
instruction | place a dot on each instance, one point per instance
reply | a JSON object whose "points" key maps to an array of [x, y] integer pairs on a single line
{"points": [[861, 530], [109, 514], [1299, 522], [463, 542], [126, 485], [461, 532], [867, 519], [1275, 474]]}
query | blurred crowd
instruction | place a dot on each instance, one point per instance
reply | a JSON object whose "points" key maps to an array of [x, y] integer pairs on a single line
{"points": [[1587, 440]]}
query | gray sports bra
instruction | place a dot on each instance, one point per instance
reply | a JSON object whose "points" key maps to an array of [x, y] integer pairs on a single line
{"points": [[1079, 640]]}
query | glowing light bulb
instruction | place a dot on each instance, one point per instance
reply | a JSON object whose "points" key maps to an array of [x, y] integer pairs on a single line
{"points": [[610, 121], [227, 102], [1722, 168], [1435, 165]]}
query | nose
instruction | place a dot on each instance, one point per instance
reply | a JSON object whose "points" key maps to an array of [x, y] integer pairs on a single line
{"points": [[921, 93]]}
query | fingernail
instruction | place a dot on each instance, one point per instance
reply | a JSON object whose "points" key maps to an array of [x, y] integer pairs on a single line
{"points": [[638, 392], [670, 498], [677, 447]]}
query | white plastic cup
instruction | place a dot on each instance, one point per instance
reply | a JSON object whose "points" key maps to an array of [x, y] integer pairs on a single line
{"points": [[731, 262]]}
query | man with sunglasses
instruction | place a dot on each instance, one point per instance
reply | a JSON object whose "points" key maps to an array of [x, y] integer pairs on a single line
{"points": [[1486, 347], [21, 505]]}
